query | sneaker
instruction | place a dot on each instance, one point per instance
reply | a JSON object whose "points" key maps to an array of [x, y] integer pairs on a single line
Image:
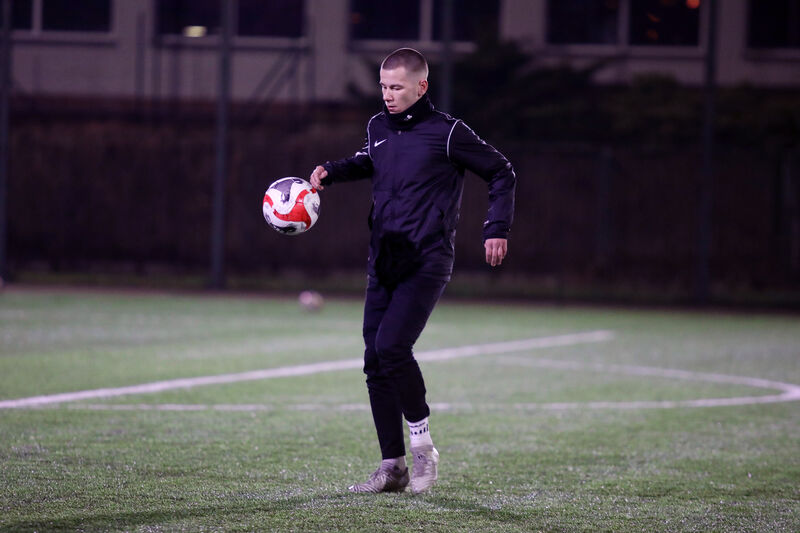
{"points": [[384, 479], [426, 461]]}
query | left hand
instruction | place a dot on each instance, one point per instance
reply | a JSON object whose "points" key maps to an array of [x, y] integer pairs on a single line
{"points": [[496, 250]]}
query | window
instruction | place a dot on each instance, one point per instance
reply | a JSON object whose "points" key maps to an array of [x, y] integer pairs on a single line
{"points": [[664, 22], [21, 15], [174, 16], [276, 18], [582, 21], [472, 19], [373, 20], [421, 20], [259, 18], [649, 22], [774, 24], [68, 15], [60, 15]]}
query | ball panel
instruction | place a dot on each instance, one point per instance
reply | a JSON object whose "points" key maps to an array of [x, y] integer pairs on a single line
{"points": [[311, 205]]}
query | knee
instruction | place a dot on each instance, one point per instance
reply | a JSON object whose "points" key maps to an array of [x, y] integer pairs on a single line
{"points": [[391, 351]]}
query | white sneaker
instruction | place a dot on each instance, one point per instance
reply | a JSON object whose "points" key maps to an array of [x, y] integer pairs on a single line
{"points": [[426, 468]]}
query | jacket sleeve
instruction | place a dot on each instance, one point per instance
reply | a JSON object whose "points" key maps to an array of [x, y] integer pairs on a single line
{"points": [[469, 151], [357, 167]]}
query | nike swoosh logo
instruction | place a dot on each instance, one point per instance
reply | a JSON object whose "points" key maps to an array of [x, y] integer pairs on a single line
{"points": [[378, 143]]}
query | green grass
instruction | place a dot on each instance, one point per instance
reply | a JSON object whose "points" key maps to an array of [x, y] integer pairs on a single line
{"points": [[511, 459]]}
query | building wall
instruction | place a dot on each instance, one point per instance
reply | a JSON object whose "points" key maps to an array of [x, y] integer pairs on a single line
{"points": [[132, 61], [525, 21]]}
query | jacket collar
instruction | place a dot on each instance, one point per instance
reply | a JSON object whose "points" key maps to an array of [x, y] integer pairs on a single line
{"points": [[411, 116]]}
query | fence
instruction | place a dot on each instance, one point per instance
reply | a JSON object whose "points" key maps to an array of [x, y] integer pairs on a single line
{"points": [[124, 185]]}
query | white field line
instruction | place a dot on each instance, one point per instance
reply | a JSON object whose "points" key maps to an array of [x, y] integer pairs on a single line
{"points": [[312, 368], [790, 393]]}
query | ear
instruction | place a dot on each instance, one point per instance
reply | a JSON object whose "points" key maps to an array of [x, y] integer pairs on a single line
{"points": [[422, 88]]}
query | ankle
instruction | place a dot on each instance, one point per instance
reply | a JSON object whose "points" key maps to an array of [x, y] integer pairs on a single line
{"points": [[395, 463], [419, 433]]}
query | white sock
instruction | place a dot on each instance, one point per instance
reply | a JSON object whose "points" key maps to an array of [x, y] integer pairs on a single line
{"points": [[396, 462], [420, 433]]}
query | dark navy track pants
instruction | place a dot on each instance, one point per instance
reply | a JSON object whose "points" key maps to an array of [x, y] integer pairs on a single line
{"points": [[393, 321]]}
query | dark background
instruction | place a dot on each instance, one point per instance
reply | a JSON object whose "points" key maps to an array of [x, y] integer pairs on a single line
{"points": [[608, 196], [607, 192]]}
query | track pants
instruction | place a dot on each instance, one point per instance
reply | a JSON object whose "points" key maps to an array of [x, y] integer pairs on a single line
{"points": [[393, 321]]}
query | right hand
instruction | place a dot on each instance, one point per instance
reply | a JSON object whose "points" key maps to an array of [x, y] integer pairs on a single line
{"points": [[496, 251], [317, 175]]}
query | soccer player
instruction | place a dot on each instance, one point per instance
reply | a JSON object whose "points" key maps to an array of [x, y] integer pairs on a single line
{"points": [[416, 157]]}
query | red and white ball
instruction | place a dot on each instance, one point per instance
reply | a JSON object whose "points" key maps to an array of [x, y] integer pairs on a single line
{"points": [[291, 205]]}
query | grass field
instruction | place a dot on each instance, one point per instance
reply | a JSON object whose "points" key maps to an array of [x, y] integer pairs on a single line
{"points": [[641, 428]]}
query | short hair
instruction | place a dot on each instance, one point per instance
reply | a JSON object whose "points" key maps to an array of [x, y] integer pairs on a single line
{"points": [[409, 58]]}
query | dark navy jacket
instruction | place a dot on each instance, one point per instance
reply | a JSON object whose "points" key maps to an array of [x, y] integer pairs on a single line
{"points": [[416, 161]]}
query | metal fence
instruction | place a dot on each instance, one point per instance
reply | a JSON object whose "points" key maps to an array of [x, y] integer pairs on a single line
{"points": [[123, 185]]}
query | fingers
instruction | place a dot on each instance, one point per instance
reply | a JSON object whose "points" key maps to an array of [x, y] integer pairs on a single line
{"points": [[496, 250], [317, 175]]}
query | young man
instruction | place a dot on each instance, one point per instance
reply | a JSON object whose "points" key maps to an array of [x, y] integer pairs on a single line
{"points": [[416, 158]]}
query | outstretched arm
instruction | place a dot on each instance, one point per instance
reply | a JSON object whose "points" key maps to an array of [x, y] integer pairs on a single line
{"points": [[357, 167]]}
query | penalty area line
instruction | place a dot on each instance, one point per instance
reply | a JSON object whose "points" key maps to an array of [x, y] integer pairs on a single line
{"points": [[444, 354]]}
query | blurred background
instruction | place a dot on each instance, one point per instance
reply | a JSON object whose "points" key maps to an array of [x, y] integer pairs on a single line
{"points": [[656, 142]]}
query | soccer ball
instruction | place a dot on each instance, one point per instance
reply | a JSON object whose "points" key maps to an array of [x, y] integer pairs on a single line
{"points": [[291, 205]]}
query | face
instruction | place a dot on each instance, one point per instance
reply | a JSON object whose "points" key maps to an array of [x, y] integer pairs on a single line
{"points": [[401, 89]]}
